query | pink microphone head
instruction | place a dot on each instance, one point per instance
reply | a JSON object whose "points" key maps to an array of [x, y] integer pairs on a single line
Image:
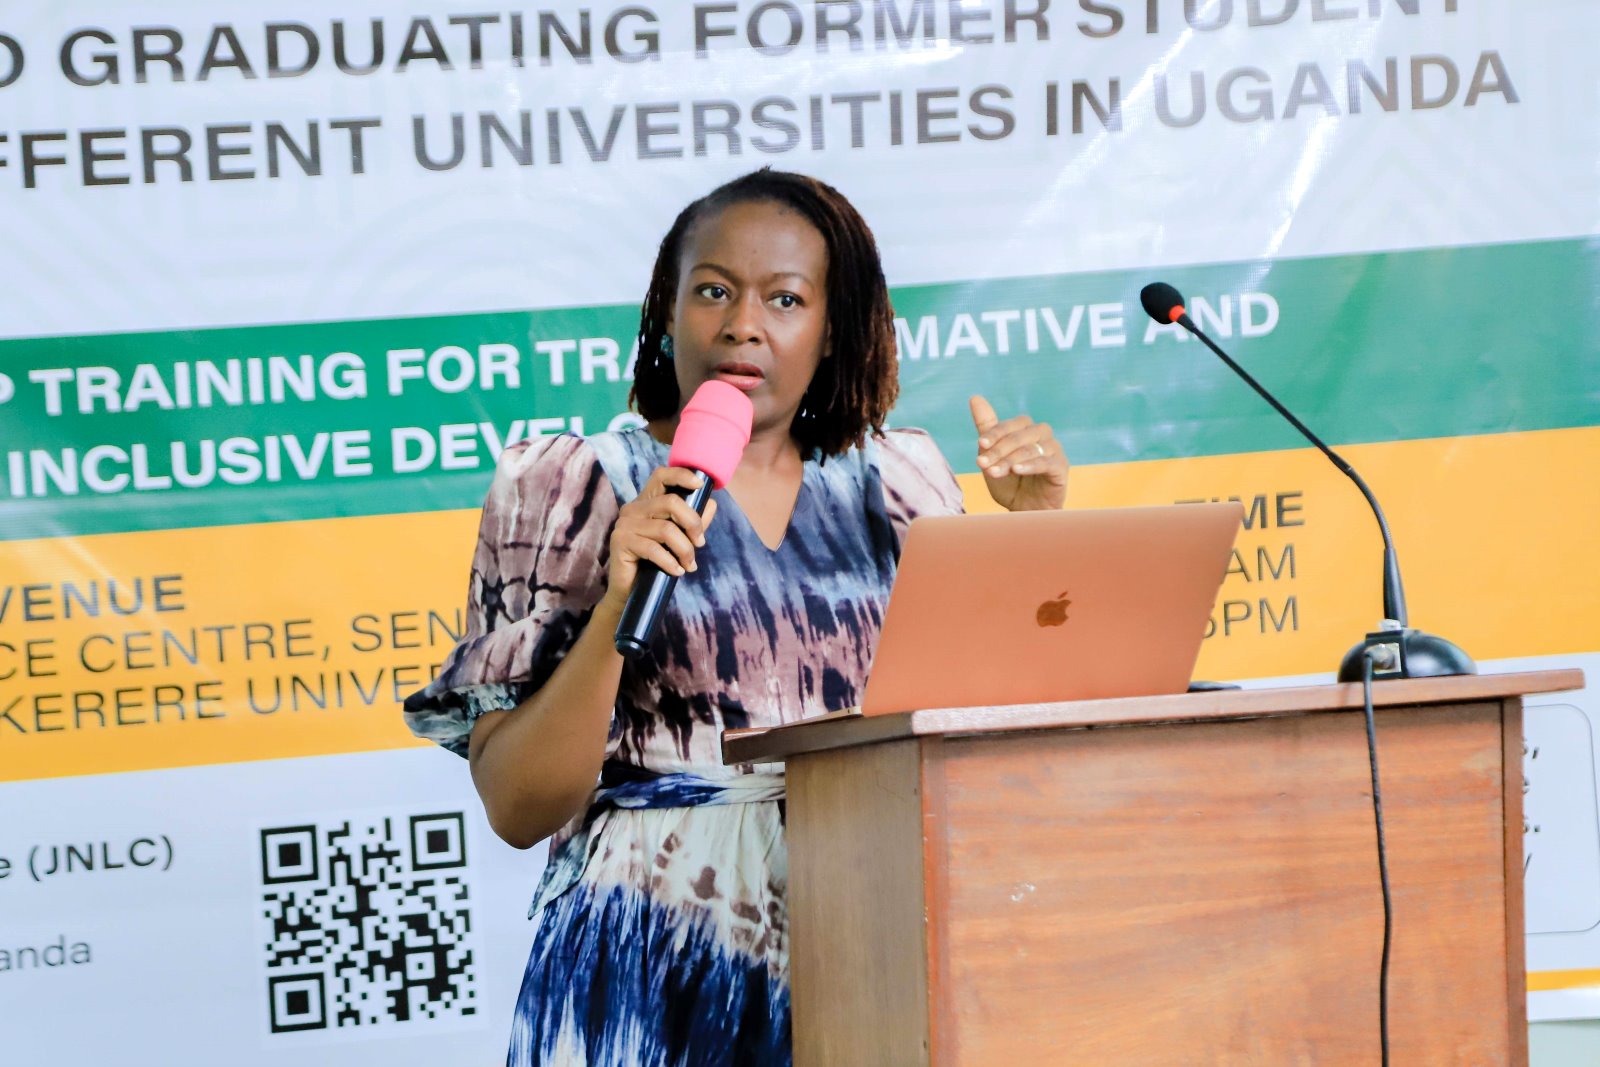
{"points": [[712, 431]]}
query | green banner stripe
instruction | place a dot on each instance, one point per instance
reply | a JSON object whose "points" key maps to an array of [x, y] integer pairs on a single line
{"points": [[1394, 346]]}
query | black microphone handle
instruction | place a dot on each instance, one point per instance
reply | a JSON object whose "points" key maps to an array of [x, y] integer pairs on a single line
{"points": [[1394, 597], [652, 588]]}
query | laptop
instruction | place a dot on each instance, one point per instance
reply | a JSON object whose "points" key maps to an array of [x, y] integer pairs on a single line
{"points": [[1043, 606]]}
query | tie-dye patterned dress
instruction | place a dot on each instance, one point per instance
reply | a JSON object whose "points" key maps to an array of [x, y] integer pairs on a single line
{"points": [[661, 937]]}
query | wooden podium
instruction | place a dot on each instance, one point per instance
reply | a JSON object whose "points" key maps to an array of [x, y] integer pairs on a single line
{"points": [[1166, 880]]}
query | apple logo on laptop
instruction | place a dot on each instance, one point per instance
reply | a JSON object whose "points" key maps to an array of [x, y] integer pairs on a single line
{"points": [[1053, 612]]}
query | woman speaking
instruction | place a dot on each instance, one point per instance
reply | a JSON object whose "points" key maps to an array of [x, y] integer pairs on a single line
{"points": [[661, 929]]}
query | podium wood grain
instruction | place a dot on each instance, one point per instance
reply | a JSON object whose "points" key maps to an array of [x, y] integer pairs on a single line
{"points": [[1199, 890], [859, 956]]}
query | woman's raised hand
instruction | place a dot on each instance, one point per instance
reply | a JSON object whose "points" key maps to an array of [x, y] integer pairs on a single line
{"points": [[658, 526], [1024, 467]]}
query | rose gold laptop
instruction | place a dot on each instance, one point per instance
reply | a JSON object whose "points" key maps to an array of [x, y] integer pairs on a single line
{"points": [[1044, 606]]}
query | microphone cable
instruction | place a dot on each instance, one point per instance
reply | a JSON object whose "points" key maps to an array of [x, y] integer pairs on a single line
{"points": [[1383, 861]]}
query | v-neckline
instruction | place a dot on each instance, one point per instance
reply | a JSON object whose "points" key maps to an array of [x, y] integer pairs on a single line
{"points": [[663, 450], [788, 528]]}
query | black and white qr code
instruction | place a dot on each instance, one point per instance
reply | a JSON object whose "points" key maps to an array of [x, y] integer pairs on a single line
{"points": [[367, 922]]}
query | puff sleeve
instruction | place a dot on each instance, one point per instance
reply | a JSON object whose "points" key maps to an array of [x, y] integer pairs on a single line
{"points": [[538, 571], [916, 479]]}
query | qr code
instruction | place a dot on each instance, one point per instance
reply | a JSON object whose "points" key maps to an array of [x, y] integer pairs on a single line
{"points": [[367, 922]]}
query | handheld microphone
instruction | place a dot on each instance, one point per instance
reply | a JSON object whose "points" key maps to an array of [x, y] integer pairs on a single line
{"points": [[712, 433], [1397, 651]]}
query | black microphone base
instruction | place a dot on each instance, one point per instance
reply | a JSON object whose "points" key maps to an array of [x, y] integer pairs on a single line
{"points": [[1406, 653], [641, 615], [630, 646]]}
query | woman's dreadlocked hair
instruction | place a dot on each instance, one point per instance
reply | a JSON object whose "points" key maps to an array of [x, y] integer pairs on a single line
{"points": [[853, 390]]}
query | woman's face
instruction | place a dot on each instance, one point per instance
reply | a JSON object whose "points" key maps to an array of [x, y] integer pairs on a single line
{"points": [[752, 307]]}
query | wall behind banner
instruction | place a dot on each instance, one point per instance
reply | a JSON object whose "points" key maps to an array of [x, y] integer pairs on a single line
{"points": [[276, 291]]}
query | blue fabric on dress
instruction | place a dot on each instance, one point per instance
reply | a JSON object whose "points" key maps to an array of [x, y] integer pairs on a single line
{"points": [[614, 956], [624, 787]]}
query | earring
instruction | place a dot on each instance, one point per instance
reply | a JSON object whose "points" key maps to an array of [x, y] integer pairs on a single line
{"points": [[666, 347]]}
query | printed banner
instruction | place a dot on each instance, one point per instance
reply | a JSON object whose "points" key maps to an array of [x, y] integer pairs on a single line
{"points": [[280, 283]]}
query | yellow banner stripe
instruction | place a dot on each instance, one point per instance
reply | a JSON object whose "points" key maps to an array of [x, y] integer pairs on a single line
{"points": [[1546, 981], [305, 634]]}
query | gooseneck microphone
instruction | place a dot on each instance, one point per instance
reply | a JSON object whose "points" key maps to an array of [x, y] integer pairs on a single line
{"points": [[712, 432], [1396, 650]]}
